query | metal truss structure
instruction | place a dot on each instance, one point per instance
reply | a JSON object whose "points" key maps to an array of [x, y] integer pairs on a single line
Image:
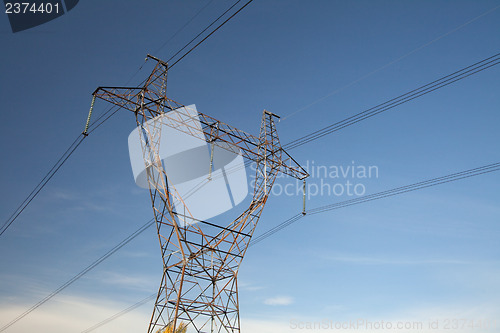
{"points": [[200, 259]]}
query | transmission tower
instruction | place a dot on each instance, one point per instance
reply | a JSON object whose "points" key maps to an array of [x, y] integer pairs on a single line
{"points": [[200, 259]]}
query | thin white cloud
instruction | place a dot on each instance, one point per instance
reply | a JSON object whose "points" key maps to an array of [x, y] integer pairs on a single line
{"points": [[249, 286], [63, 194], [140, 282], [137, 254], [254, 288], [279, 300], [98, 201], [75, 314], [366, 260]]}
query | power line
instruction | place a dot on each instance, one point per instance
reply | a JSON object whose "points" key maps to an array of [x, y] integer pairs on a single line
{"points": [[210, 34], [121, 313], [36, 190], [277, 228], [81, 274], [411, 95], [410, 188], [380, 195], [203, 31], [380, 108], [322, 209], [184, 26], [55, 168]]}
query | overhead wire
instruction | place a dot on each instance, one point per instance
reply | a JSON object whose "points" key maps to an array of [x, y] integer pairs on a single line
{"points": [[184, 26], [121, 313], [413, 187], [380, 195], [390, 104], [55, 168], [210, 34], [203, 31], [41, 184], [378, 109]]}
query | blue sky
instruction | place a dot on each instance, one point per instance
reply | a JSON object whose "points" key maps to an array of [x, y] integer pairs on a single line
{"points": [[426, 256]]}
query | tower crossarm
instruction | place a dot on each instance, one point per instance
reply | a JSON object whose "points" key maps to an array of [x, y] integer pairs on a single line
{"points": [[228, 137], [138, 99], [135, 98], [290, 167], [124, 97]]}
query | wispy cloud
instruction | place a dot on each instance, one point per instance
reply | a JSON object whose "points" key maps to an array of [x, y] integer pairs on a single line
{"points": [[249, 286], [279, 300], [62, 194], [254, 288], [70, 199], [137, 254], [371, 260], [74, 314], [134, 282]]}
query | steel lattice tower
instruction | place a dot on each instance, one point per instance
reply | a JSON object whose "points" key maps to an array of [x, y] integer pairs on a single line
{"points": [[200, 259]]}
